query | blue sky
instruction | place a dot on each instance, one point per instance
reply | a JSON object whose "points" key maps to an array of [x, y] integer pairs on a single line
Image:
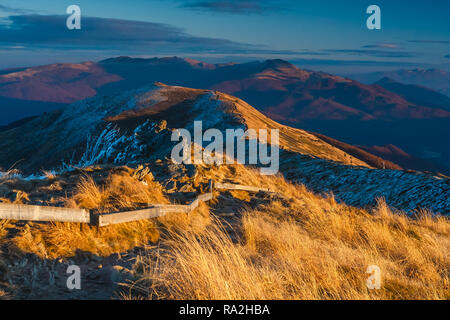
{"points": [[322, 34]]}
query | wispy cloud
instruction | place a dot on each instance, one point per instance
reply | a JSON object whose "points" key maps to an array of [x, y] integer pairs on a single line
{"points": [[374, 53], [383, 45], [44, 36], [233, 6], [100, 33], [344, 63], [431, 41], [10, 10], [115, 36]]}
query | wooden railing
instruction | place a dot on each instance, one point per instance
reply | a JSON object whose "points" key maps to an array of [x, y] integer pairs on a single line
{"points": [[58, 214]]}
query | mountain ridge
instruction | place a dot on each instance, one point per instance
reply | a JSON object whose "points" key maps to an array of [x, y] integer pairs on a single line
{"points": [[101, 130], [79, 81], [286, 93], [66, 131], [417, 94], [432, 78]]}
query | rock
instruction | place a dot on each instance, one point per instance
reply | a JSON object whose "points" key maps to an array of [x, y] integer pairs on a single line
{"points": [[186, 188], [191, 171], [96, 258], [120, 274], [171, 185], [3, 272]]}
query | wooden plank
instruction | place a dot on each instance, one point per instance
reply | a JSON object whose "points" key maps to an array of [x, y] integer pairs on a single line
{"points": [[129, 216], [194, 204], [211, 185], [236, 187], [41, 213], [205, 197], [228, 186], [175, 208]]}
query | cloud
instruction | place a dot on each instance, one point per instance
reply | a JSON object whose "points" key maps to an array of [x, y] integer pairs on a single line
{"points": [[349, 67], [331, 62], [232, 6], [374, 53], [49, 31], [39, 38], [382, 46], [431, 41], [7, 9], [115, 36]]}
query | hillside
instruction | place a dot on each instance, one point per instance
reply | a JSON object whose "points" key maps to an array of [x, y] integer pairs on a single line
{"points": [[136, 126], [360, 114], [243, 245], [397, 155], [48, 141], [436, 79], [328, 209], [274, 86], [360, 153], [306, 95], [416, 94], [60, 83]]}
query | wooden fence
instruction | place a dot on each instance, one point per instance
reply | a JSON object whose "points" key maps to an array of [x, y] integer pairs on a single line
{"points": [[40, 213], [57, 214], [228, 186]]}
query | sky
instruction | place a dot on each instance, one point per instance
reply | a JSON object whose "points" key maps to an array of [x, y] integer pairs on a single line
{"points": [[326, 35]]}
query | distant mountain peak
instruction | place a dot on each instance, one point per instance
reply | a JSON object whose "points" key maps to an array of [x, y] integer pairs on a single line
{"points": [[116, 59], [385, 80], [278, 63]]}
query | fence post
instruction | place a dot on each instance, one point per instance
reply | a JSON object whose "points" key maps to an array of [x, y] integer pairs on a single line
{"points": [[211, 185]]}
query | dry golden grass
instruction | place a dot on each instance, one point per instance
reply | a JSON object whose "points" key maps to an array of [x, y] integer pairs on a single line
{"points": [[197, 221], [124, 190], [121, 191], [4, 225], [299, 246], [291, 139], [56, 240], [309, 247]]}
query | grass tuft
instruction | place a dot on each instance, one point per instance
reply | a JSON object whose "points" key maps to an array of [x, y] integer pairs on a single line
{"points": [[307, 247]]}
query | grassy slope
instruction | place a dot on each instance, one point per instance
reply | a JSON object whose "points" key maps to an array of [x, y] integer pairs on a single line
{"points": [[300, 246], [291, 139]]}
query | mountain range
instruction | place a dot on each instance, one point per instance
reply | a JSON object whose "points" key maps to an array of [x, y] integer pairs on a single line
{"points": [[385, 113], [436, 79]]}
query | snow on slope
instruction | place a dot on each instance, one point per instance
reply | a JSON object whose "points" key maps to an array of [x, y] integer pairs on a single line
{"points": [[360, 186]]}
